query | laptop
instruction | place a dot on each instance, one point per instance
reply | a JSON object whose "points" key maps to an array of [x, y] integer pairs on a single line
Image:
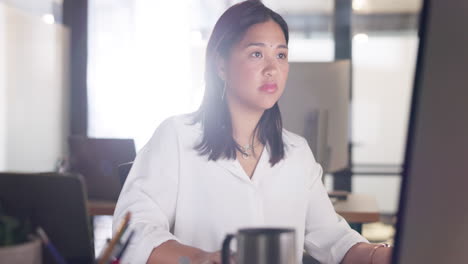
{"points": [[97, 160], [55, 202], [432, 222]]}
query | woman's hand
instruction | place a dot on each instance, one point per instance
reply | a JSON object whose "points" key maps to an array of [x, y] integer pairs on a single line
{"points": [[364, 253], [382, 256], [211, 258], [207, 258]]}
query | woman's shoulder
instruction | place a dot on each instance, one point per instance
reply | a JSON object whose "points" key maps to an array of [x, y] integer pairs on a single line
{"points": [[294, 140], [180, 123], [177, 127]]}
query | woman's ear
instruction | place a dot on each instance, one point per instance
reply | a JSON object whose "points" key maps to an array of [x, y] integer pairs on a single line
{"points": [[221, 67]]}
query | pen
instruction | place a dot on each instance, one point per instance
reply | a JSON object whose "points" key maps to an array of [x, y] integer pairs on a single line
{"points": [[125, 245], [55, 254], [108, 251]]}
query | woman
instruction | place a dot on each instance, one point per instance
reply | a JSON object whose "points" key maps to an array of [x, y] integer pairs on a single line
{"points": [[231, 164]]}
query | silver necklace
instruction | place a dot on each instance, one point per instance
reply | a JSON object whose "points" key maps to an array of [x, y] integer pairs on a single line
{"points": [[246, 150]]}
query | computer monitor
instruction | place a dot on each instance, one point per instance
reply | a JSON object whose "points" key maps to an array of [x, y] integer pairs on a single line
{"points": [[57, 204], [432, 222], [315, 105]]}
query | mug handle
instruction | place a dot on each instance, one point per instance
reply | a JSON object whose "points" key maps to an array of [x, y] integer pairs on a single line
{"points": [[226, 251]]}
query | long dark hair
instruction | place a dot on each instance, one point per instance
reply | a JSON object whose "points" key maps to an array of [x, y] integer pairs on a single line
{"points": [[217, 141]]}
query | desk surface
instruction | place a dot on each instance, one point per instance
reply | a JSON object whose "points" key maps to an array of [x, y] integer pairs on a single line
{"points": [[357, 208], [101, 207]]}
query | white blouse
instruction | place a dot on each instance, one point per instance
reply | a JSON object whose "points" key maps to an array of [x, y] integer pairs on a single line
{"points": [[174, 193]]}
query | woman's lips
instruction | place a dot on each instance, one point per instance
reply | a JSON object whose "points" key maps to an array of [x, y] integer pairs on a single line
{"points": [[269, 87]]}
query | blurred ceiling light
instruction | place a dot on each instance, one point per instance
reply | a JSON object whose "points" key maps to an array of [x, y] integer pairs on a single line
{"points": [[48, 19], [361, 38], [358, 4]]}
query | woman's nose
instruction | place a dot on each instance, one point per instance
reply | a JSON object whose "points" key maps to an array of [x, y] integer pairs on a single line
{"points": [[271, 67]]}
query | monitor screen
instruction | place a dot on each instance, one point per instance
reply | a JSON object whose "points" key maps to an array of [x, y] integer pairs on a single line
{"points": [[432, 222], [315, 105], [57, 204]]}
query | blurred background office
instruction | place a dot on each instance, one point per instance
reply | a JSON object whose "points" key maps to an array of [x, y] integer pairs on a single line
{"points": [[117, 68]]}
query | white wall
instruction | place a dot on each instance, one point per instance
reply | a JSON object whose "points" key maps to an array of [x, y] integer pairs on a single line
{"points": [[36, 92], [150, 81], [2, 87], [383, 75]]}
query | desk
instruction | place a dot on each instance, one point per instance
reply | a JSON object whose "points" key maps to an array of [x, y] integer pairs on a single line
{"points": [[358, 208], [96, 207]]}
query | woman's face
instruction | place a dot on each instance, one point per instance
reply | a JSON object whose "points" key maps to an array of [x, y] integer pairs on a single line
{"points": [[257, 68]]}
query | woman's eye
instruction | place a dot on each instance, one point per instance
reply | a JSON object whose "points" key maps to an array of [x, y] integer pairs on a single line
{"points": [[256, 54], [282, 56]]}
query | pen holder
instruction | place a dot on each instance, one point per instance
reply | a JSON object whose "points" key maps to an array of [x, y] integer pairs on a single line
{"points": [[28, 253]]}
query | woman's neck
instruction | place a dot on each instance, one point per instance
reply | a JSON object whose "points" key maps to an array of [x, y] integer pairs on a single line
{"points": [[243, 122]]}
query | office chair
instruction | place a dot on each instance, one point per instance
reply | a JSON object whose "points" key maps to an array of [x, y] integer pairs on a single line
{"points": [[123, 170]]}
